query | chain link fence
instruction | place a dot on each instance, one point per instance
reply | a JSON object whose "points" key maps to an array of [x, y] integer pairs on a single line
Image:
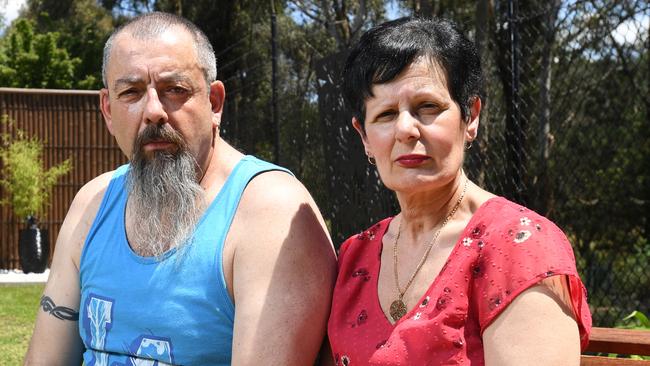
{"points": [[568, 112]]}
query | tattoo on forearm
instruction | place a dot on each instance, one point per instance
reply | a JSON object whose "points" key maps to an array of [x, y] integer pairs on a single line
{"points": [[60, 312]]}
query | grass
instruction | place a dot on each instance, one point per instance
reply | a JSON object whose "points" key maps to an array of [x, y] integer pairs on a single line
{"points": [[18, 306]]}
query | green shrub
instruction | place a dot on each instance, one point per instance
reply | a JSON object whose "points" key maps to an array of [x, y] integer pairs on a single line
{"points": [[637, 320], [27, 183]]}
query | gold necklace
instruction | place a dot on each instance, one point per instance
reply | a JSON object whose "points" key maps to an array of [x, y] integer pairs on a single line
{"points": [[397, 307]]}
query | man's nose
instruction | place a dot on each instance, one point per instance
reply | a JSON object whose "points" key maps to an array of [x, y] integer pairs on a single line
{"points": [[154, 110]]}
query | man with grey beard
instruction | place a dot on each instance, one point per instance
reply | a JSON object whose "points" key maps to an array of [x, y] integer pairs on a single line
{"points": [[191, 254]]}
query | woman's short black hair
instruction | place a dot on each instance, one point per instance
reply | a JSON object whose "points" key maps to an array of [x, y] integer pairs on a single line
{"points": [[384, 51]]}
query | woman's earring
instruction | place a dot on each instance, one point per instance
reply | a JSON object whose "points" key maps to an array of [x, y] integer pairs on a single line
{"points": [[468, 145], [371, 159]]}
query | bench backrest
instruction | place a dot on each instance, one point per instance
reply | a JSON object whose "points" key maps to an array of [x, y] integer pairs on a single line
{"points": [[620, 341]]}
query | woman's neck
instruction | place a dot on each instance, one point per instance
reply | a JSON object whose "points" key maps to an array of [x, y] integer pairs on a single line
{"points": [[424, 212]]}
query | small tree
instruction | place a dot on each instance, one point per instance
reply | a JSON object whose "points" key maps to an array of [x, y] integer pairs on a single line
{"points": [[27, 183]]}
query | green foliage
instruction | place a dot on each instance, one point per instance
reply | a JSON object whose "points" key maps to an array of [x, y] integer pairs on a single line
{"points": [[25, 179], [31, 60], [83, 27], [636, 320], [17, 316], [55, 44]]}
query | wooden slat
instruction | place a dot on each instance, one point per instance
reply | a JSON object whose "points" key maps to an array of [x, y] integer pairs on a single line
{"points": [[621, 341], [609, 361], [70, 123]]}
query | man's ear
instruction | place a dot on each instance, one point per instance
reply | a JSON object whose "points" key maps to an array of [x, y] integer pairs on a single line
{"points": [[105, 107], [362, 133], [217, 98], [472, 125]]}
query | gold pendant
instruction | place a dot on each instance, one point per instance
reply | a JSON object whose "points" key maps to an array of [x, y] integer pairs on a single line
{"points": [[397, 309]]}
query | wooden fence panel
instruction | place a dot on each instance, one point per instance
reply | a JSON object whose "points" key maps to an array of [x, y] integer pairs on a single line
{"points": [[71, 126]]}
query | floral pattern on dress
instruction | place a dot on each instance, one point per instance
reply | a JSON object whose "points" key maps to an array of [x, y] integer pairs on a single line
{"points": [[362, 274], [345, 360], [477, 231], [494, 302], [477, 269], [522, 236], [363, 236], [362, 317], [380, 344], [368, 235], [425, 302], [445, 299]]}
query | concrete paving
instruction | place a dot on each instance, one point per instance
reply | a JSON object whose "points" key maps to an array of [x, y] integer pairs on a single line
{"points": [[14, 276]]}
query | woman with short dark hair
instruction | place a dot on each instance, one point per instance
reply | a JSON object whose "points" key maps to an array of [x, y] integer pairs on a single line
{"points": [[460, 276]]}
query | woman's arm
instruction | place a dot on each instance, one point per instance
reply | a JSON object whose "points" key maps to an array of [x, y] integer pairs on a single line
{"points": [[537, 328]]}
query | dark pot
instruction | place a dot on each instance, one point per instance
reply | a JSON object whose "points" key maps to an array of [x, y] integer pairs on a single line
{"points": [[33, 249]]}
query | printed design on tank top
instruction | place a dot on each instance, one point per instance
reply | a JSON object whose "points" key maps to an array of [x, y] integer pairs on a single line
{"points": [[150, 350], [97, 316], [153, 348]]}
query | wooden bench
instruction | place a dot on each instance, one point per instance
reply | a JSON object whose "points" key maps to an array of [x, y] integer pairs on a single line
{"points": [[619, 341]]}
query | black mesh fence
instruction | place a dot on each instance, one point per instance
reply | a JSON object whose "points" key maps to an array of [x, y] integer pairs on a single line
{"points": [[564, 130], [566, 133]]}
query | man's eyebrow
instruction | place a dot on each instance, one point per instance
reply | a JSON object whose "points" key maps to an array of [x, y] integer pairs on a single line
{"points": [[172, 77], [175, 77], [126, 81]]}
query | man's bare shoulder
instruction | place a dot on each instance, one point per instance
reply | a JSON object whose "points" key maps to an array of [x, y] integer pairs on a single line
{"points": [[275, 204], [278, 215], [278, 198], [89, 197], [275, 188], [81, 215], [93, 190]]}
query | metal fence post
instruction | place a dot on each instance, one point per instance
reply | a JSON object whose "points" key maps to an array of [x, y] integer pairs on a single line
{"points": [[515, 129]]}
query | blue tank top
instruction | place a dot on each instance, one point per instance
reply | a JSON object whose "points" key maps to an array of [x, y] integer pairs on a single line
{"points": [[135, 309]]}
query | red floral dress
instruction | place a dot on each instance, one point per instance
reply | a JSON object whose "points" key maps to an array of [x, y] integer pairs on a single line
{"points": [[504, 250]]}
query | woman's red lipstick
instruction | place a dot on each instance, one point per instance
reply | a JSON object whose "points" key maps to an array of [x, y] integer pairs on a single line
{"points": [[411, 160]]}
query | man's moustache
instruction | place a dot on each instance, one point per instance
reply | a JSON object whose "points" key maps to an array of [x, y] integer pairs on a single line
{"points": [[159, 134]]}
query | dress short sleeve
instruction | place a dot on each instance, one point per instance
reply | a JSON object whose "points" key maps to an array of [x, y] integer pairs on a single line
{"points": [[518, 249]]}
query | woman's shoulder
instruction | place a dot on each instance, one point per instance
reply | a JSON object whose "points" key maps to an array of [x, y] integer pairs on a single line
{"points": [[361, 240], [500, 212], [510, 228]]}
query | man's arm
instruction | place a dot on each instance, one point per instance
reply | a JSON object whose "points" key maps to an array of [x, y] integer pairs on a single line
{"points": [[283, 272], [55, 340]]}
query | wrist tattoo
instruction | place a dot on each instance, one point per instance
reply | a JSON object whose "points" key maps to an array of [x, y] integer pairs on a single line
{"points": [[60, 312]]}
